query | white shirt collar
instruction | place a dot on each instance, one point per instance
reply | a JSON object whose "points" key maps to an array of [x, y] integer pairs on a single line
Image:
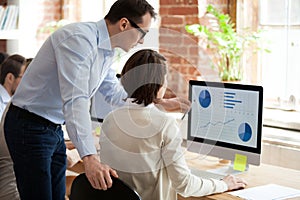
{"points": [[4, 94]]}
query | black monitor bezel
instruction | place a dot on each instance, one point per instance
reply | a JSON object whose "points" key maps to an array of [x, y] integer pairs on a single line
{"points": [[237, 86]]}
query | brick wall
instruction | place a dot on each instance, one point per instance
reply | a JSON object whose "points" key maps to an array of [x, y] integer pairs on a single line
{"points": [[180, 48], [185, 58], [50, 10]]}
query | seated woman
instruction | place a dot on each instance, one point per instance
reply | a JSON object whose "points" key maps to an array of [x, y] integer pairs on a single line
{"points": [[144, 144]]}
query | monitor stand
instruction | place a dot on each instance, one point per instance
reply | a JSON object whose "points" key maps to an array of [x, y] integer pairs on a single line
{"points": [[228, 169]]}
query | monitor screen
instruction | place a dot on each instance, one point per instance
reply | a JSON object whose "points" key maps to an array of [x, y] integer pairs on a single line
{"points": [[225, 119]]}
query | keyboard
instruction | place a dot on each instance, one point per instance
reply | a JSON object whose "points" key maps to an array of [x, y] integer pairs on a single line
{"points": [[206, 174]]}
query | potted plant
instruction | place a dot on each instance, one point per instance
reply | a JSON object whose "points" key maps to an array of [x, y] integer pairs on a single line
{"points": [[52, 26], [225, 44]]}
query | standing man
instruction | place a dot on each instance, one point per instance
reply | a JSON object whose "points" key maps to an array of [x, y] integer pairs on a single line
{"points": [[73, 63]]}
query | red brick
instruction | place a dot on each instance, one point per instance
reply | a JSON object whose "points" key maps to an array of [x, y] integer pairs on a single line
{"points": [[193, 19], [190, 40], [167, 2], [193, 71], [175, 59], [191, 2], [171, 40], [179, 2], [163, 11], [194, 50], [172, 20], [183, 10]]}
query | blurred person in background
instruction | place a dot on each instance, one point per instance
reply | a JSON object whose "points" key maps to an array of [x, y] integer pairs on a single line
{"points": [[11, 72]]}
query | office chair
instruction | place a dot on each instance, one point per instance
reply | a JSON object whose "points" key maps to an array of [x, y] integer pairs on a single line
{"points": [[81, 189]]}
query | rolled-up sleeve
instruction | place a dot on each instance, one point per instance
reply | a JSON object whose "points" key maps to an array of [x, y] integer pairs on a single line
{"points": [[75, 59], [185, 183]]}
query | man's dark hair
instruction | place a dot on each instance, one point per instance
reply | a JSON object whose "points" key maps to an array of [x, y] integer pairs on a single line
{"points": [[143, 75], [3, 56], [11, 64], [132, 9]]}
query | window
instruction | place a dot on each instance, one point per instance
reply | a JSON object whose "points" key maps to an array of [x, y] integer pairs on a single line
{"points": [[276, 71], [280, 69]]}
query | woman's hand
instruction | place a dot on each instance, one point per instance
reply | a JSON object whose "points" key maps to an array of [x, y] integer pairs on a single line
{"points": [[234, 182]]}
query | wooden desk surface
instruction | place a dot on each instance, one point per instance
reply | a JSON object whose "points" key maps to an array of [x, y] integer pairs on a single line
{"points": [[255, 176]]}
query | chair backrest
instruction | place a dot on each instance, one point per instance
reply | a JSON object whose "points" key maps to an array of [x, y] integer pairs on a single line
{"points": [[81, 189]]}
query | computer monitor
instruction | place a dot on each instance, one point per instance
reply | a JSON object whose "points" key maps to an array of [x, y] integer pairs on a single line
{"points": [[225, 120]]}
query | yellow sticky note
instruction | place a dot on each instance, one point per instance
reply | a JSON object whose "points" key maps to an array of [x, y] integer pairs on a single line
{"points": [[98, 130], [240, 162]]}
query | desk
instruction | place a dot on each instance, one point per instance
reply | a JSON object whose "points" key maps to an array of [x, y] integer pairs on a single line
{"points": [[256, 176]]}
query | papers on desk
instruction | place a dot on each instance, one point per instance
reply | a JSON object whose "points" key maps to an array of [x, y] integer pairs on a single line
{"points": [[66, 136], [267, 192]]}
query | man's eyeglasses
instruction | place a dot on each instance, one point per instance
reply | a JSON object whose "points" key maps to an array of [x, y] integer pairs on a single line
{"points": [[19, 76], [138, 28]]}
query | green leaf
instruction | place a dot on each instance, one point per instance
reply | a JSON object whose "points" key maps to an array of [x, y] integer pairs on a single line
{"points": [[230, 45]]}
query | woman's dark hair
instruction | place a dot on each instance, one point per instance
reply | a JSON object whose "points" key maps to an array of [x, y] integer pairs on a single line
{"points": [[143, 75], [131, 9], [11, 64]]}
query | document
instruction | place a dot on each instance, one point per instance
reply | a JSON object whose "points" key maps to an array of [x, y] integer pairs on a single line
{"points": [[267, 192]]}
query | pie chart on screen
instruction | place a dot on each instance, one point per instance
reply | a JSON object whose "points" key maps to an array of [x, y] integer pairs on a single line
{"points": [[245, 132], [204, 98]]}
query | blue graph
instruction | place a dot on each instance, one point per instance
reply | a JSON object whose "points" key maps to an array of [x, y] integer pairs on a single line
{"points": [[245, 132], [204, 98], [229, 100], [216, 123]]}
